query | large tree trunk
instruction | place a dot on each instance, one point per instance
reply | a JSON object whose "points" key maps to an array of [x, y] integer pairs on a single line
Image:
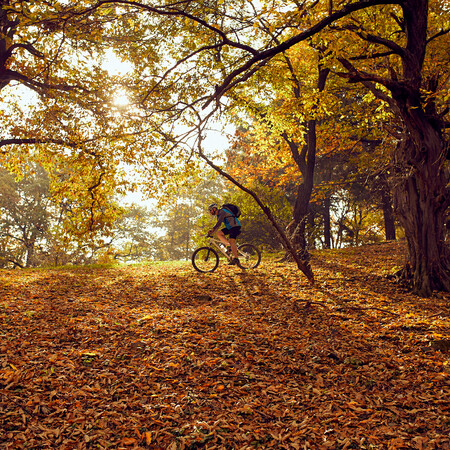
{"points": [[421, 200], [30, 249], [421, 196]]}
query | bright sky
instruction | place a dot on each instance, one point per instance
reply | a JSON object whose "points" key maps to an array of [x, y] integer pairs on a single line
{"points": [[214, 140]]}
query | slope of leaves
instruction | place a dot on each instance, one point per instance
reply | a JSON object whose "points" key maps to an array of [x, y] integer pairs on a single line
{"points": [[162, 357]]}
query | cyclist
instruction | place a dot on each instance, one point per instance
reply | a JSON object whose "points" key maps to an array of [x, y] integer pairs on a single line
{"points": [[232, 229]]}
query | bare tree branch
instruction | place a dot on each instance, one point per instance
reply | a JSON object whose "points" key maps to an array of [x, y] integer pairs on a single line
{"points": [[357, 76], [273, 51], [11, 75], [21, 141], [439, 34]]}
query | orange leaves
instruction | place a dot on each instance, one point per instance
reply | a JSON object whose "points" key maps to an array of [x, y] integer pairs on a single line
{"points": [[252, 367], [128, 441]]}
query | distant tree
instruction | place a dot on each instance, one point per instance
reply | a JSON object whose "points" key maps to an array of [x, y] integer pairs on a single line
{"points": [[25, 217], [176, 224], [34, 230], [381, 197], [133, 237], [355, 220], [181, 215], [362, 174]]}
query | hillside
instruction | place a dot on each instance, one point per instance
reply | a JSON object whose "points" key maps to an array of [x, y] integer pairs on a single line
{"points": [[161, 357]]}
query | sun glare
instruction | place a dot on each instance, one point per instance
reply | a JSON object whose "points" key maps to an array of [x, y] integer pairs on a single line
{"points": [[121, 99]]}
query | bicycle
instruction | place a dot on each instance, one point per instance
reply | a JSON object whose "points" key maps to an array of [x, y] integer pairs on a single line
{"points": [[206, 259]]}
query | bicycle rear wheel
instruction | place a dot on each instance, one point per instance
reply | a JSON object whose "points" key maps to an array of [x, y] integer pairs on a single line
{"points": [[205, 259], [249, 256]]}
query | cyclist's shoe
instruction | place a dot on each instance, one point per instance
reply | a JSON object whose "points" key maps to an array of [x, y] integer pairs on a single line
{"points": [[234, 261]]}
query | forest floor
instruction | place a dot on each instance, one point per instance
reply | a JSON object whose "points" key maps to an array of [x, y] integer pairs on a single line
{"points": [[161, 357]]}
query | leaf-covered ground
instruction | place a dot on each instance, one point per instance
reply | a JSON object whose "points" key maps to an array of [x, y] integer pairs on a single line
{"points": [[162, 357]]}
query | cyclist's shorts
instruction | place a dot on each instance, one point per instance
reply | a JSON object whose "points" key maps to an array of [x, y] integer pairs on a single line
{"points": [[233, 233]]}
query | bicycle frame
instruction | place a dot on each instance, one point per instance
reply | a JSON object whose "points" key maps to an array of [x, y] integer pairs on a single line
{"points": [[219, 244]]}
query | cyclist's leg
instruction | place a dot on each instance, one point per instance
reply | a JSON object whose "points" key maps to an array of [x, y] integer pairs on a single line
{"points": [[234, 233], [221, 236], [233, 247]]}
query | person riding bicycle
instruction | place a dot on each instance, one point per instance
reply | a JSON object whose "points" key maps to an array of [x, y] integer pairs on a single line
{"points": [[232, 229]]}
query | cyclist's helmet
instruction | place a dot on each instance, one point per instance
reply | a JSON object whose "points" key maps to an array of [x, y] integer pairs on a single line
{"points": [[212, 206]]}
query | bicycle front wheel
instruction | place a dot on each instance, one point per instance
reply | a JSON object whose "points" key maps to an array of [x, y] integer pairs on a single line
{"points": [[249, 256], [205, 259]]}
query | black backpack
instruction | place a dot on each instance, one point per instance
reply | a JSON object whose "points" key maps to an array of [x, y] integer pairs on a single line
{"points": [[232, 208]]}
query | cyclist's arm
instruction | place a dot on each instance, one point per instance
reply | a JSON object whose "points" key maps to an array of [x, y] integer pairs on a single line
{"points": [[220, 218]]}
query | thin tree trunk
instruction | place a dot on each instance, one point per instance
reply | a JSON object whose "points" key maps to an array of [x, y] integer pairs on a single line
{"points": [[388, 214], [305, 160], [297, 236], [188, 237], [311, 228], [327, 222]]}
